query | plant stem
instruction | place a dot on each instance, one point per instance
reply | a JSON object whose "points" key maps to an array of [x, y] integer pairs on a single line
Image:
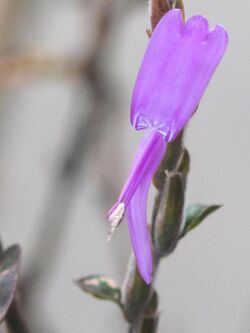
{"points": [[141, 300]]}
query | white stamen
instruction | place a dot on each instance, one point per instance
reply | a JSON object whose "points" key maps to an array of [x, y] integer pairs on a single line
{"points": [[115, 219]]}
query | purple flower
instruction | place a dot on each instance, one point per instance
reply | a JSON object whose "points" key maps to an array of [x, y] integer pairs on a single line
{"points": [[178, 64]]}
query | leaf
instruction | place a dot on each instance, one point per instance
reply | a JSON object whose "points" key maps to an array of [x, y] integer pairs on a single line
{"points": [[101, 287], [195, 214], [9, 267]]}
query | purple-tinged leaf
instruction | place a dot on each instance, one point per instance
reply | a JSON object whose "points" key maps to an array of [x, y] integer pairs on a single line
{"points": [[100, 286], [9, 267]]}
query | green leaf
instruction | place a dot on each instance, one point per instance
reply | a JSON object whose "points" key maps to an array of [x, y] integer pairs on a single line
{"points": [[101, 287], [195, 214], [10, 258]]}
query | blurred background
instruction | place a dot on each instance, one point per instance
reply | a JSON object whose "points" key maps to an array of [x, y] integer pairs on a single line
{"points": [[67, 69]]}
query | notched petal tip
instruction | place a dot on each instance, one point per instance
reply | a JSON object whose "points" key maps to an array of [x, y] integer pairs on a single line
{"points": [[198, 25], [219, 34]]}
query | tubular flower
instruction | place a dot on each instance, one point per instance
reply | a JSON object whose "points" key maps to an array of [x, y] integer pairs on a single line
{"points": [[177, 66]]}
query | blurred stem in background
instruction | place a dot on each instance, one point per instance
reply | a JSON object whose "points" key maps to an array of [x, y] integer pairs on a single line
{"points": [[88, 130], [15, 69]]}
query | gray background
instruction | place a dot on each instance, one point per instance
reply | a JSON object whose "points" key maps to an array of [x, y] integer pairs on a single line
{"points": [[204, 285]]}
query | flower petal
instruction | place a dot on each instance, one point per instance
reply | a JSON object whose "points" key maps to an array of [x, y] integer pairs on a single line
{"points": [[146, 155], [176, 69], [137, 216], [138, 230], [134, 198]]}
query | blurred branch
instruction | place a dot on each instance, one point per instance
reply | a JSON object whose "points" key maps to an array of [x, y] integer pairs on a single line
{"points": [[17, 68], [88, 130], [9, 11]]}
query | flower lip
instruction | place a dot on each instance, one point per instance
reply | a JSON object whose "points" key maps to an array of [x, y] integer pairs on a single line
{"points": [[176, 69]]}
